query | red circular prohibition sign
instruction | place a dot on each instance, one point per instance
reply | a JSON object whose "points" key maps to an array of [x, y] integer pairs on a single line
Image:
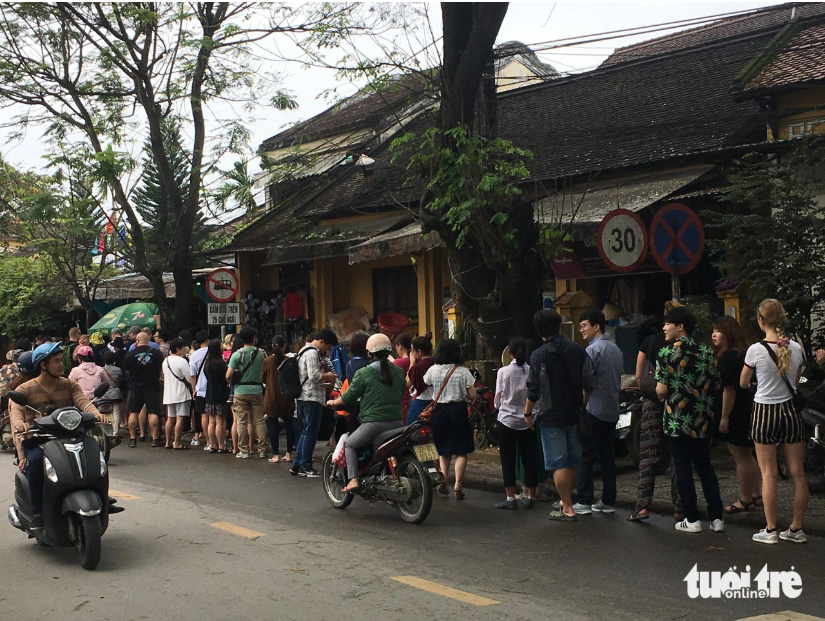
{"points": [[677, 239], [607, 221], [217, 279]]}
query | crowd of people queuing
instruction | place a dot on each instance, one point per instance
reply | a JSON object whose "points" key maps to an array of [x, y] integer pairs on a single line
{"points": [[557, 404]]}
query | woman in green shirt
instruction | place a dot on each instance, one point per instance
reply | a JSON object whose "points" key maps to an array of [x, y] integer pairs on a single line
{"points": [[380, 385]]}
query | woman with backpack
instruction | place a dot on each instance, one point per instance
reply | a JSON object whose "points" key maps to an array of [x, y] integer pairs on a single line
{"points": [[453, 387], [379, 386], [276, 405], [777, 419], [217, 397]]}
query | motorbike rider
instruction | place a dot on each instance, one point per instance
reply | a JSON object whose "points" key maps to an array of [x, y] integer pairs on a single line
{"points": [[380, 385], [49, 388]]}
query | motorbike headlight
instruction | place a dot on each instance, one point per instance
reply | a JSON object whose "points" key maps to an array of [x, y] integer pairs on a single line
{"points": [[50, 472], [103, 466], [69, 419]]}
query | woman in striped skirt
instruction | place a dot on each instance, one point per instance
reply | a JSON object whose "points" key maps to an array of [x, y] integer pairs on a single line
{"points": [[777, 363]]}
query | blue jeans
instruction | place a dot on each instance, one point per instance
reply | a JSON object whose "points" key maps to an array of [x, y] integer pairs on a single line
{"points": [[35, 473], [416, 407], [562, 448], [310, 414]]}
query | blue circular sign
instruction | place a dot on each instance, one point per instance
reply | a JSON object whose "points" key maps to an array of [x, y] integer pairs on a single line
{"points": [[677, 239]]}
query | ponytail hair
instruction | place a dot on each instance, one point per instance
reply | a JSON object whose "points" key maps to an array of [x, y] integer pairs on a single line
{"points": [[386, 366], [518, 350], [773, 315]]}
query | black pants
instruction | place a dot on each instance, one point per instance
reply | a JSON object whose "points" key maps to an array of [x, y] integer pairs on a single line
{"points": [[689, 454], [598, 447], [523, 441]]}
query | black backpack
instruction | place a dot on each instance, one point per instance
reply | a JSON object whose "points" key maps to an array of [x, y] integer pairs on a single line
{"points": [[289, 376]]}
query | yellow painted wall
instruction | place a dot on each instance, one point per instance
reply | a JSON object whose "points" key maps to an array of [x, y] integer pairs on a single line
{"points": [[811, 97], [352, 284]]}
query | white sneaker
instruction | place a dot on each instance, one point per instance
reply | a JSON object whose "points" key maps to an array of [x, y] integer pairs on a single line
{"points": [[796, 537], [208, 447], [763, 536], [717, 526], [242, 456], [600, 507], [581, 509], [195, 442], [687, 526]]}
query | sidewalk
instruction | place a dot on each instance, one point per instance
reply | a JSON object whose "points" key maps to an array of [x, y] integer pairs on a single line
{"points": [[484, 472]]}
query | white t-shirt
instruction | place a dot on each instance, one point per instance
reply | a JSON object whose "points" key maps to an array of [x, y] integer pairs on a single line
{"points": [[456, 389], [174, 390], [196, 361], [771, 388]]}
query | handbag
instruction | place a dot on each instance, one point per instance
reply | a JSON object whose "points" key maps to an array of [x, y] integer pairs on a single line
{"points": [[647, 381], [427, 413], [797, 397]]}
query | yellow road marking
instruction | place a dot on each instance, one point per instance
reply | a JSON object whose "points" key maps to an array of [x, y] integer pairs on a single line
{"points": [[784, 616], [116, 494], [238, 530], [440, 589]]}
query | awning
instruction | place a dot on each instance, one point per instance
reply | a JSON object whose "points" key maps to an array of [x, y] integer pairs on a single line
{"points": [[408, 239], [321, 241], [592, 202]]}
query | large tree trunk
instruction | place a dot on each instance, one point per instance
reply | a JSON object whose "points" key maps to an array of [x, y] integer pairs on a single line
{"points": [[497, 295]]}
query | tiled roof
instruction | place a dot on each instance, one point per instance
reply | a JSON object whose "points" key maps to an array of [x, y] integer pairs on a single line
{"points": [[367, 109], [802, 59], [634, 113], [767, 19]]}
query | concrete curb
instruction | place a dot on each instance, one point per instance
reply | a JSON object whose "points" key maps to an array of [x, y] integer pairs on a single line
{"points": [[750, 519]]}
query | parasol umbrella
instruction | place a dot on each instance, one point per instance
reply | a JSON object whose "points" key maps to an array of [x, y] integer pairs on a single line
{"points": [[139, 314]]}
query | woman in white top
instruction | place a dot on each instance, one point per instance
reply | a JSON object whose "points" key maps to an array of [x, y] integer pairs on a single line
{"points": [[452, 433], [777, 363], [514, 433]]}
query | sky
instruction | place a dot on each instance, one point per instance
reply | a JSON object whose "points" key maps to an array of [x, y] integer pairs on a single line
{"points": [[530, 23]]}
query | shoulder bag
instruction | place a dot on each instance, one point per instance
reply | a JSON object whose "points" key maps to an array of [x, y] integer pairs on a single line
{"points": [[798, 398], [237, 377], [427, 413]]}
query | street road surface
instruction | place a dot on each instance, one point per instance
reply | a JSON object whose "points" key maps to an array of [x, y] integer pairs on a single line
{"points": [[210, 537]]}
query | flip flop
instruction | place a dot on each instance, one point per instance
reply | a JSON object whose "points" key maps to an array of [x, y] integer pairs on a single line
{"points": [[180, 448], [274, 460], [638, 516]]}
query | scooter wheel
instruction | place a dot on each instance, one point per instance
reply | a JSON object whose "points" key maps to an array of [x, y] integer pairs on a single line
{"points": [[88, 543], [335, 479]]}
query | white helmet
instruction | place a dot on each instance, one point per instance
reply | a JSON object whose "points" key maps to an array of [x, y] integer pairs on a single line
{"points": [[379, 342]]}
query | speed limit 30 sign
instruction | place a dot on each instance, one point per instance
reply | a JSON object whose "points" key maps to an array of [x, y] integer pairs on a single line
{"points": [[622, 240]]}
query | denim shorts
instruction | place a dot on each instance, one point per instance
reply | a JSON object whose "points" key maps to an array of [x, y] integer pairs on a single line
{"points": [[562, 448]]}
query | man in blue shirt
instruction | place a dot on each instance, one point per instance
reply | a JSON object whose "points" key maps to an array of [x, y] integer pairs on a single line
{"points": [[603, 411]]}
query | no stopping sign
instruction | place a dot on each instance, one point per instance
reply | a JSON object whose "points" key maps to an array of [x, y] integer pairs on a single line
{"points": [[622, 240]]}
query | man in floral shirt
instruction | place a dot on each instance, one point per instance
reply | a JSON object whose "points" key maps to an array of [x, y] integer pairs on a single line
{"points": [[687, 379]]}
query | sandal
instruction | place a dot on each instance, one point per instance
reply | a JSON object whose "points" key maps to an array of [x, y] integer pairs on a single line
{"points": [[459, 493], [757, 501], [740, 506], [182, 447], [274, 460], [638, 515], [442, 489]]}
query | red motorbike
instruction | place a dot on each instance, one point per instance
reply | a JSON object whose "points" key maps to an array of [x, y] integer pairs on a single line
{"points": [[398, 467]]}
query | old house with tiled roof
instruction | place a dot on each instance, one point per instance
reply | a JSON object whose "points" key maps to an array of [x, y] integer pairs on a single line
{"points": [[658, 122]]}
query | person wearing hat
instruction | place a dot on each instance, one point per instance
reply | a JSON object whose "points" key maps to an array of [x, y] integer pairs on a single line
{"points": [[49, 388], [116, 333], [380, 386], [87, 374]]}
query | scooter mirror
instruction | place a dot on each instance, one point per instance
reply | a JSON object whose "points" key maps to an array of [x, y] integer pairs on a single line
{"points": [[101, 390], [18, 397]]}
